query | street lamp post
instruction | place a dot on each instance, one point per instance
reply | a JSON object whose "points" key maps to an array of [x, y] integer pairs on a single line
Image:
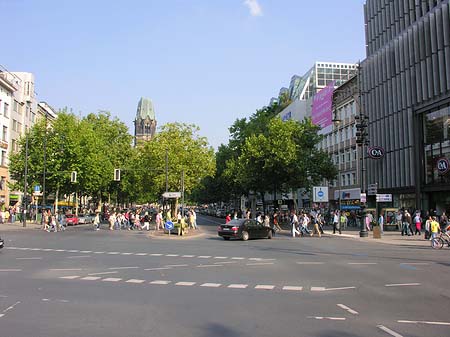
{"points": [[25, 184], [337, 122]]}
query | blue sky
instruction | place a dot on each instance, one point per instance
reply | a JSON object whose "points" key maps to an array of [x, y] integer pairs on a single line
{"points": [[205, 62]]}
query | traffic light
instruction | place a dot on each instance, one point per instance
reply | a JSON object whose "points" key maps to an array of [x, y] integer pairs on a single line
{"points": [[73, 177], [117, 174]]}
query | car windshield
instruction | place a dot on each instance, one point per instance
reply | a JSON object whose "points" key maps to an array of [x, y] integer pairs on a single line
{"points": [[236, 222]]}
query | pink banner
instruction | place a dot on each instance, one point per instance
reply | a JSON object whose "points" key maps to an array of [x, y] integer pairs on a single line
{"points": [[322, 106]]}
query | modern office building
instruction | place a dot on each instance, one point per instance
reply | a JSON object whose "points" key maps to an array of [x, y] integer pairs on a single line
{"points": [[318, 77], [145, 121], [406, 96]]}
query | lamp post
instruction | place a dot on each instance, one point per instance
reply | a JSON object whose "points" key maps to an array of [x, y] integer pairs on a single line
{"points": [[338, 122], [362, 140], [25, 183]]}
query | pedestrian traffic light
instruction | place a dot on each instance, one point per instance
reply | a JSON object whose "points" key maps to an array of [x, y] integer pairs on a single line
{"points": [[117, 174], [73, 177]]}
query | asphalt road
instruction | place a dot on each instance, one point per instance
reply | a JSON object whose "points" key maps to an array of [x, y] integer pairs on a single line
{"points": [[122, 283]]}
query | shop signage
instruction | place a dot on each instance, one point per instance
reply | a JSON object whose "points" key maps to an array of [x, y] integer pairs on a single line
{"points": [[384, 197], [443, 165], [375, 152], [351, 204]]}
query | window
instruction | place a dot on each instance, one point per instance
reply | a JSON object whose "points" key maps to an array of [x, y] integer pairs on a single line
{"points": [[353, 178], [16, 106], [5, 134], [348, 157], [14, 125], [6, 109], [3, 160], [3, 183], [13, 145], [355, 154]]}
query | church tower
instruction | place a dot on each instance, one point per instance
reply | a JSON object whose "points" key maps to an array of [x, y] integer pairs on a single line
{"points": [[145, 122]]}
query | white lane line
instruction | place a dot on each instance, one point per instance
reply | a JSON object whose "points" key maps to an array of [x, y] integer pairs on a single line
{"points": [[343, 306], [176, 265], [28, 258], [103, 273], [155, 254], [221, 257], [60, 250], [389, 331], [69, 269], [99, 252], [113, 253], [8, 309], [238, 258], [402, 284], [45, 300], [10, 269], [423, 322], [126, 253], [209, 265], [35, 249], [112, 279], [47, 250], [292, 288], [162, 282], [77, 256], [113, 268], [85, 251], [187, 255], [204, 257], [141, 254], [330, 289], [72, 277], [211, 285], [187, 284], [72, 251], [160, 268], [172, 255], [90, 278], [328, 318], [362, 263], [135, 281], [306, 263], [225, 262], [416, 263], [255, 259], [264, 287], [237, 286], [259, 263]]}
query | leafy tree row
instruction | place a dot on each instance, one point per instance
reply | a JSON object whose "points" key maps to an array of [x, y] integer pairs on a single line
{"points": [[97, 144]]}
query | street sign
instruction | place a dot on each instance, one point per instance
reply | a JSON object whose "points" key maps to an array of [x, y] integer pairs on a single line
{"points": [[320, 194], [37, 188], [168, 225], [171, 195], [384, 197], [443, 165], [372, 189]]}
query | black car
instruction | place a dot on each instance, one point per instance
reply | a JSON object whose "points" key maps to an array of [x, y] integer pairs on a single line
{"points": [[244, 229]]}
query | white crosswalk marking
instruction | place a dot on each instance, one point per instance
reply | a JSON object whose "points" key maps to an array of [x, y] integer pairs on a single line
{"points": [[204, 257], [188, 256], [237, 286], [72, 277], [160, 282], [113, 253], [221, 257], [99, 252], [90, 278], [126, 254], [135, 281], [155, 254], [211, 285], [188, 284], [85, 251], [172, 255], [237, 258], [264, 287], [111, 279], [292, 288], [141, 254]]}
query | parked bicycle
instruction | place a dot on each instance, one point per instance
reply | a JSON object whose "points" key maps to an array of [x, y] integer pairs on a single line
{"points": [[439, 241]]}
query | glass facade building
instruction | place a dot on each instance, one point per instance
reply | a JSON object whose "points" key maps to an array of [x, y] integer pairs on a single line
{"points": [[406, 96]]}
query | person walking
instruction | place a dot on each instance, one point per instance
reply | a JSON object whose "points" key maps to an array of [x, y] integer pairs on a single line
{"points": [[159, 221], [194, 215], [276, 225], [227, 218], [428, 228], [112, 221], [418, 223], [146, 222], [294, 224], [381, 222], [336, 222], [97, 221]]}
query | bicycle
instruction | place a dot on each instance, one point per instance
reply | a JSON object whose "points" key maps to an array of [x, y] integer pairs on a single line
{"points": [[439, 241]]}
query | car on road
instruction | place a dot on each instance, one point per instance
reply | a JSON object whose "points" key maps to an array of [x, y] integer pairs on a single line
{"points": [[86, 218], [244, 229], [71, 220]]}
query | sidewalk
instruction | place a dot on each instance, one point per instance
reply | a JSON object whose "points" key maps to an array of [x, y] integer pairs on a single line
{"points": [[31, 225], [388, 237]]}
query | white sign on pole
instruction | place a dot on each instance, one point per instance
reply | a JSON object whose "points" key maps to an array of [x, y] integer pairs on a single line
{"points": [[372, 189], [171, 195], [320, 194], [384, 197], [363, 198]]}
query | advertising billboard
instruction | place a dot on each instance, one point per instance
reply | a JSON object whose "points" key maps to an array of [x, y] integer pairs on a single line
{"points": [[322, 108]]}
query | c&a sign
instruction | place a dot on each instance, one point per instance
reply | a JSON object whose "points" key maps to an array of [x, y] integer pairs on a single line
{"points": [[443, 165], [375, 152]]}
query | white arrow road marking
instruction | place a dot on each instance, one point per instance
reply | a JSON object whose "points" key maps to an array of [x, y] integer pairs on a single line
{"points": [[389, 331], [342, 306], [402, 284], [424, 322]]}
